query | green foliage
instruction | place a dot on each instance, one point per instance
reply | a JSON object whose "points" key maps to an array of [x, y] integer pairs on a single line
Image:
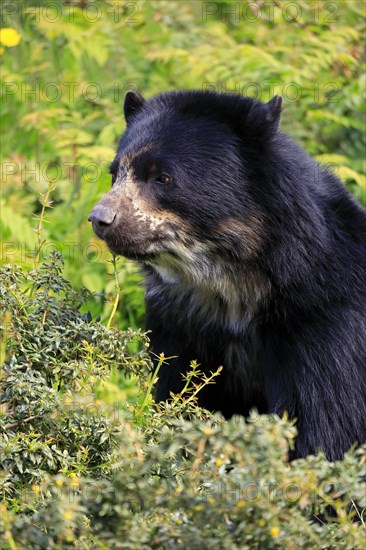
{"points": [[77, 473], [64, 82], [54, 357]]}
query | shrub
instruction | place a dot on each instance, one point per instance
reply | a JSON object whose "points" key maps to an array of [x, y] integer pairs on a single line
{"points": [[77, 473], [50, 421]]}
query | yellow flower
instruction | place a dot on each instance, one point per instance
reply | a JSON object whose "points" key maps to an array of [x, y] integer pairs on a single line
{"points": [[198, 508], [9, 37], [36, 489], [74, 481], [261, 523], [59, 482], [219, 462], [274, 532], [207, 431], [67, 516], [240, 504]]}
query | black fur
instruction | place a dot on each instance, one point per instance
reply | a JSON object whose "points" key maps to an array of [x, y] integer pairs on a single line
{"points": [[258, 262]]}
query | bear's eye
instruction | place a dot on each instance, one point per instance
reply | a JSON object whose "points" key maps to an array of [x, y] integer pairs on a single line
{"points": [[164, 178]]}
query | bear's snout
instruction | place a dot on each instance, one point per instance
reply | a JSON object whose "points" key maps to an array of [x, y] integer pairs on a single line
{"points": [[102, 219]]}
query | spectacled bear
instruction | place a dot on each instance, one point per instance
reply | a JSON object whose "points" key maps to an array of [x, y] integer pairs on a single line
{"points": [[254, 258]]}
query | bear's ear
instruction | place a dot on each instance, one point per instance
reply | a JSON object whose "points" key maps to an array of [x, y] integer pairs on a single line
{"points": [[274, 108], [133, 104]]}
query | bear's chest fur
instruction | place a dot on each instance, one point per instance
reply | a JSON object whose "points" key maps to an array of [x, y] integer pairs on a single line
{"points": [[219, 328]]}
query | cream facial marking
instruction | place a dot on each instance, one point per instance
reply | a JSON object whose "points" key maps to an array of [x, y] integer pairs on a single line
{"points": [[250, 231], [142, 210]]}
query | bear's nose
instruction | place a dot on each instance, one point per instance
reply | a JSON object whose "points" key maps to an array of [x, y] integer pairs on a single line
{"points": [[102, 219]]}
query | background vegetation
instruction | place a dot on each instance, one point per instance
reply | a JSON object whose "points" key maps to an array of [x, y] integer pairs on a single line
{"points": [[64, 83], [87, 459]]}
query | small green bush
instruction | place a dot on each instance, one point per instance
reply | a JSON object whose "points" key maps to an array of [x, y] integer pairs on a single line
{"points": [[76, 472], [54, 356]]}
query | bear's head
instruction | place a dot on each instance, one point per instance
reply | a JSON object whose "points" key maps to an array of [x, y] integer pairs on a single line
{"points": [[184, 179]]}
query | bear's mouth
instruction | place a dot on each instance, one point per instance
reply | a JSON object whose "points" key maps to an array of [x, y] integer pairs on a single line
{"points": [[139, 249]]}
